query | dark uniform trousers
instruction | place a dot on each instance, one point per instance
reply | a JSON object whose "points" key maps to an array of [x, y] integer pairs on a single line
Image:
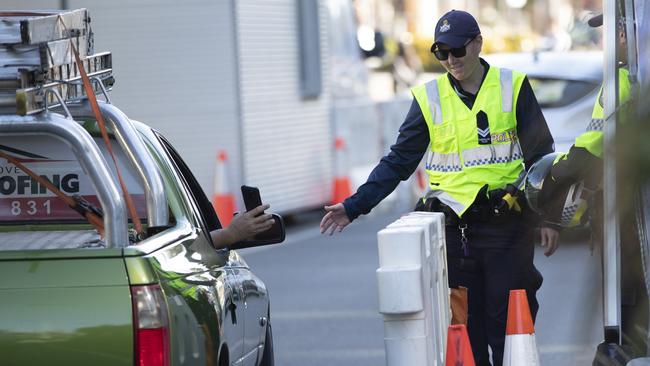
{"points": [[499, 259]]}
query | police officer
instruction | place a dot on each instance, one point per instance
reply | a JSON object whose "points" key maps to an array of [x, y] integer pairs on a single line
{"points": [[583, 164], [482, 127], [584, 160]]}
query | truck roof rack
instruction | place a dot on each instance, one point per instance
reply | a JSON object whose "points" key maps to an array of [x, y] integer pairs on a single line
{"points": [[37, 68]]}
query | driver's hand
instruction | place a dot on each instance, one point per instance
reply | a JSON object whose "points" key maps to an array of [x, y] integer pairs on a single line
{"points": [[248, 224]]}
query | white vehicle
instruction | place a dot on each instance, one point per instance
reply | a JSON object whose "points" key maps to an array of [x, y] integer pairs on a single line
{"points": [[566, 85]]}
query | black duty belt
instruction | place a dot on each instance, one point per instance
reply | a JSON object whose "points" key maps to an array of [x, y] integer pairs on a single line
{"points": [[476, 213]]}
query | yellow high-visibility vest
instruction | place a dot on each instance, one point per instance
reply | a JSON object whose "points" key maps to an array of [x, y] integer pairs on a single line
{"points": [[592, 138], [457, 164]]}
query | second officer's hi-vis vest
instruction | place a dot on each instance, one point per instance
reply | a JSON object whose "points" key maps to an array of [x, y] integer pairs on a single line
{"points": [[470, 148], [592, 139]]}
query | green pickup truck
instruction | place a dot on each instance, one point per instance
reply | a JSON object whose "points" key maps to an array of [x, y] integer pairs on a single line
{"points": [[70, 296], [77, 292]]}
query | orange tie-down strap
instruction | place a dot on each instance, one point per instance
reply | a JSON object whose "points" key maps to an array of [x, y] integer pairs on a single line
{"points": [[90, 93], [77, 203]]}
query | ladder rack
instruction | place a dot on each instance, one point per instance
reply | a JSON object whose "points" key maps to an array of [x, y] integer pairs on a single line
{"points": [[36, 57]]}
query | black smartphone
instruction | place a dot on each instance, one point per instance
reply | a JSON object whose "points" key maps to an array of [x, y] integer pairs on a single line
{"points": [[251, 197]]}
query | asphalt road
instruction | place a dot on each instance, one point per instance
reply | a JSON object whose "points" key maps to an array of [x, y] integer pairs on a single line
{"points": [[324, 297]]}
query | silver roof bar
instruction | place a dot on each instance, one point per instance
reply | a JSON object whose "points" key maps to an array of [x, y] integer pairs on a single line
{"points": [[137, 153]]}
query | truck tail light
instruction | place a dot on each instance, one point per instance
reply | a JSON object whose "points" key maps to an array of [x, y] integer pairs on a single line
{"points": [[151, 326]]}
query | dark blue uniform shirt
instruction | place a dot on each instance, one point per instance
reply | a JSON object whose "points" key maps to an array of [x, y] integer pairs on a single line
{"points": [[413, 142]]}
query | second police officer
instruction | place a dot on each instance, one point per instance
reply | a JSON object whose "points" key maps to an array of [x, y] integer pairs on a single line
{"points": [[582, 166], [482, 128]]}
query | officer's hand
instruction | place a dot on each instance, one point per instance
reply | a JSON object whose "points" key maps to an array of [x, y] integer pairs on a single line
{"points": [[549, 240], [335, 219]]}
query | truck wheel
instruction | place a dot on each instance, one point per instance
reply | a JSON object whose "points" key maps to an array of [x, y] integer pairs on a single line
{"points": [[267, 356]]}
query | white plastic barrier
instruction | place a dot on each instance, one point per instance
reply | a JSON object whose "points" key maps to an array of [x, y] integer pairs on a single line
{"points": [[414, 290], [434, 224], [402, 263]]}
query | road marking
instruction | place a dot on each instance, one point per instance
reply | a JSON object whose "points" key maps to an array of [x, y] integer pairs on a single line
{"points": [[338, 354], [567, 348], [285, 315]]}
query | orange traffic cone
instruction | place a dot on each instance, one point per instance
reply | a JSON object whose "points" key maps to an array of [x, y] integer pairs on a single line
{"points": [[341, 187], [520, 348], [223, 201], [459, 350]]}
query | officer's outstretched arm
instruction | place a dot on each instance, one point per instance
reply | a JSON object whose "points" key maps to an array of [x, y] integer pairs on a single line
{"points": [[335, 219]]}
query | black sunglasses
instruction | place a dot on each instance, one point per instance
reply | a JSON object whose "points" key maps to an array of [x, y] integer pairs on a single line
{"points": [[459, 52]]}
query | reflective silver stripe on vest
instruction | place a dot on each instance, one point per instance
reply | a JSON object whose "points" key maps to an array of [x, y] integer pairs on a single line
{"points": [[447, 199], [434, 101], [596, 124], [492, 154], [506, 90], [443, 162]]}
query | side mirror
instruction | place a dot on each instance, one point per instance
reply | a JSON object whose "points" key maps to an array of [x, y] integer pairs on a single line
{"points": [[274, 235]]}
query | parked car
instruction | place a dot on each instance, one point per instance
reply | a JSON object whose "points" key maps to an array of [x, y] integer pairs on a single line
{"points": [[70, 296], [566, 85]]}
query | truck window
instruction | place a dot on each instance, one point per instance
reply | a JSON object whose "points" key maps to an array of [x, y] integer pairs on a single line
{"points": [[208, 215]]}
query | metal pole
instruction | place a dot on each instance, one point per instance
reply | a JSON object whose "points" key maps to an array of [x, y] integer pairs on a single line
{"points": [[630, 31], [611, 250]]}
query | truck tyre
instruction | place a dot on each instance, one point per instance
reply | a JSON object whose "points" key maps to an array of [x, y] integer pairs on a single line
{"points": [[224, 359], [267, 355]]}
